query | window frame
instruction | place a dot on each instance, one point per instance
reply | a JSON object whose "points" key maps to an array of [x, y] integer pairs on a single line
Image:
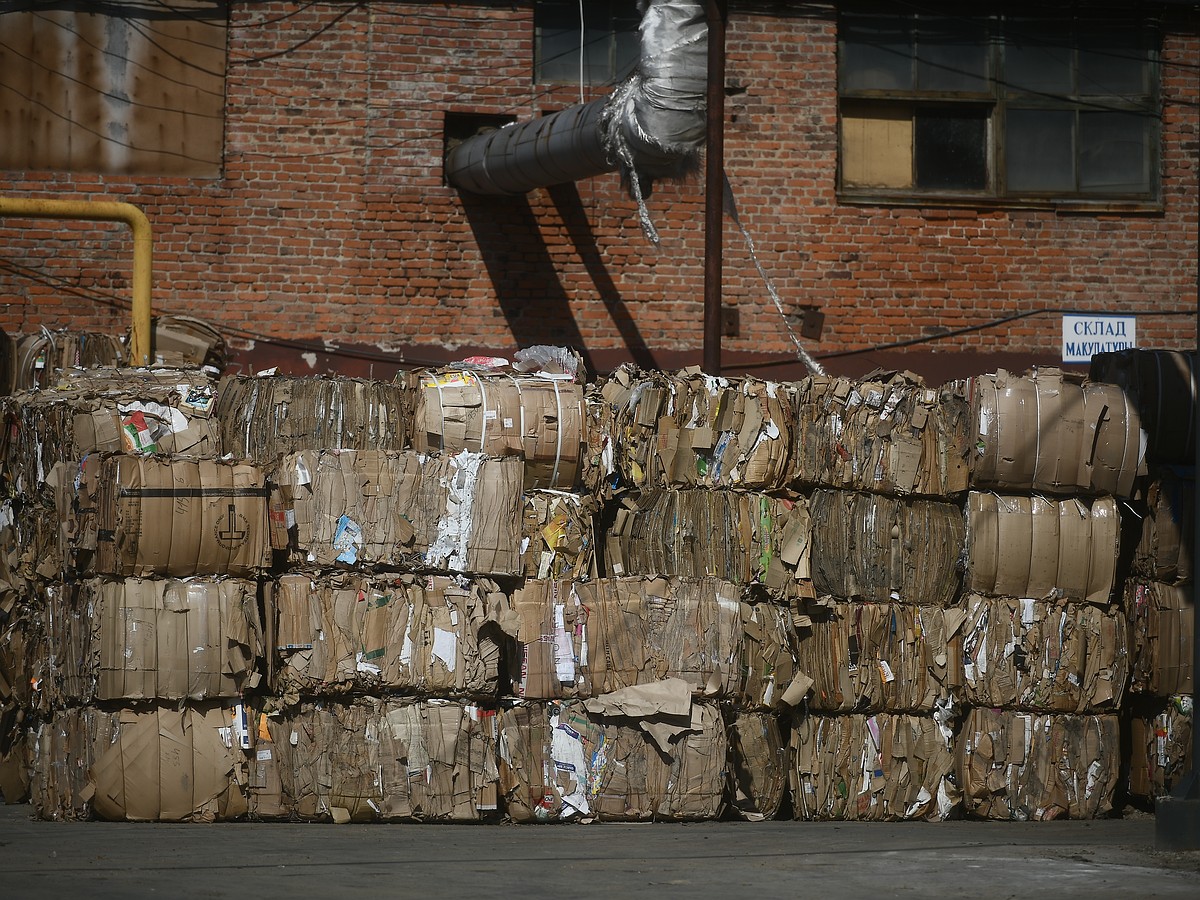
{"points": [[999, 100]]}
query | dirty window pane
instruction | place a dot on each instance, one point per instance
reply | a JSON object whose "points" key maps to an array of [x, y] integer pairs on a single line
{"points": [[1040, 150], [876, 53], [610, 40], [952, 54], [1112, 64], [1114, 152], [950, 148], [1036, 64]]}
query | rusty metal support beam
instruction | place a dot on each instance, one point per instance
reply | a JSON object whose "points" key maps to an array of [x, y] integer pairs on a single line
{"points": [[714, 192], [143, 251]]}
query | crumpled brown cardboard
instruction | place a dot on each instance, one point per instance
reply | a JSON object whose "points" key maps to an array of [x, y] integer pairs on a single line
{"points": [[688, 429], [1160, 745], [1038, 547], [877, 548], [39, 359], [874, 657], [339, 632], [1044, 655], [385, 760], [1164, 551], [537, 417], [1161, 625], [165, 516], [265, 417], [1051, 431], [558, 535], [882, 767], [1161, 384], [459, 513], [1036, 767], [559, 762], [16, 763], [740, 536], [758, 765], [887, 433], [583, 639]]}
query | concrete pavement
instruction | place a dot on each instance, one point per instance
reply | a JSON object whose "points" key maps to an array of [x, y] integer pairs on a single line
{"points": [[1109, 858]]}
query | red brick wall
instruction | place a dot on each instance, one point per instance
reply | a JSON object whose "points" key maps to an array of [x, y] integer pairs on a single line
{"points": [[331, 225]]}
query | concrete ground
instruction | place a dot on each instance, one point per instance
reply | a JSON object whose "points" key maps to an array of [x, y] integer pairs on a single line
{"points": [[1109, 858]]}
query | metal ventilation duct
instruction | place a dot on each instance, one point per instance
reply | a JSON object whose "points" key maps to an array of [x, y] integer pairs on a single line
{"points": [[652, 126]]}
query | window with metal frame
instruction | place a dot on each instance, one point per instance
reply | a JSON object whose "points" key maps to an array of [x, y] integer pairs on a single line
{"points": [[1029, 108], [609, 40]]}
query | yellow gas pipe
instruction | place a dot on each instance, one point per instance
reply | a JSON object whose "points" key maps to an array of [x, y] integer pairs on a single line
{"points": [[143, 251]]}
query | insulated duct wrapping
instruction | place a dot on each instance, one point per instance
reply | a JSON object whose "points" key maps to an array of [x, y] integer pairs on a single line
{"points": [[1048, 431], [590, 638], [870, 657], [39, 359], [1164, 551], [691, 430], [1039, 547], [1161, 746], [558, 535], [159, 763], [652, 126], [266, 417], [743, 537], [538, 418], [1161, 384], [889, 434], [376, 760], [1037, 767], [163, 516], [459, 513], [98, 410], [885, 767], [758, 766], [1161, 625], [879, 549], [1044, 656], [343, 632], [586, 760], [145, 639]]}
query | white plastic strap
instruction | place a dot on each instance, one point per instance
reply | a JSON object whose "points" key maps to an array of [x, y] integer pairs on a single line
{"points": [[557, 435], [483, 402], [441, 410]]}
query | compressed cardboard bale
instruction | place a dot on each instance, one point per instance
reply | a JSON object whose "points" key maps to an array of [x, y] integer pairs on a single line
{"points": [[1041, 547], [1050, 431], [1044, 655], [265, 417], [162, 516], [771, 676], [558, 535], [1037, 767], [659, 430], [740, 536], [883, 767], [585, 639], [1162, 632], [563, 761], [19, 623], [39, 358], [186, 341], [1160, 745], [878, 549], [457, 513], [1164, 550], [168, 764], [84, 411], [16, 760], [537, 417], [872, 657], [145, 639], [1161, 384], [887, 433], [419, 634], [758, 767], [375, 760]]}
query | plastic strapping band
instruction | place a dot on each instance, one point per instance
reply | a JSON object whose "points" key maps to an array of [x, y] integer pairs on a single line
{"points": [[1037, 433], [557, 435], [483, 403]]}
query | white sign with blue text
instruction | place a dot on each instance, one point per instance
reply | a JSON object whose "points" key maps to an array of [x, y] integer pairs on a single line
{"points": [[1086, 335]]}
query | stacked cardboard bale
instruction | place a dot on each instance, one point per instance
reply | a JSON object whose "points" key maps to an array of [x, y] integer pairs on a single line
{"points": [[1045, 655], [1158, 595], [37, 360], [697, 471], [886, 459]]}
